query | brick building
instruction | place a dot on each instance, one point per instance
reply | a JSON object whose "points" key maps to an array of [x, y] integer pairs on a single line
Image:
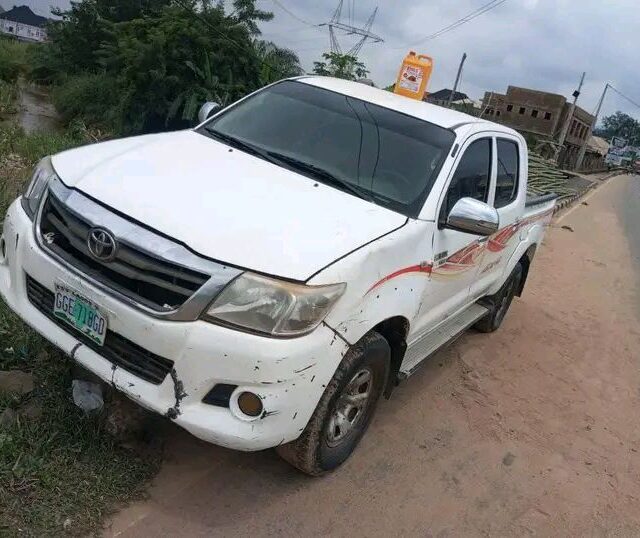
{"points": [[542, 115]]}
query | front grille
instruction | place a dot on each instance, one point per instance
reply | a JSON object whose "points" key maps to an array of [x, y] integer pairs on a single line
{"points": [[155, 283], [117, 349]]}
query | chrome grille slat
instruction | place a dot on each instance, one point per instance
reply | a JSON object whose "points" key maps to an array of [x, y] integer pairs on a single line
{"points": [[76, 233], [155, 274], [151, 281], [139, 261]]}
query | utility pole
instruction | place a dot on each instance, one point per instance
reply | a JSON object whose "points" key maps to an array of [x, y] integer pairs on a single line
{"points": [[486, 107], [567, 121], [455, 86], [583, 148]]}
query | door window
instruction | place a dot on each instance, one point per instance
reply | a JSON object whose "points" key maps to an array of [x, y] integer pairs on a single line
{"points": [[471, 179], [507, 180]]}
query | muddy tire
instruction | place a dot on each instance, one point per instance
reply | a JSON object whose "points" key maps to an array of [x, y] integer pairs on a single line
{"points": [[499, 303], [344, 410]]}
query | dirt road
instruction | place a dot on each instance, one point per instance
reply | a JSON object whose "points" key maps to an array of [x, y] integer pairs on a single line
{"points": [[533, 430]]}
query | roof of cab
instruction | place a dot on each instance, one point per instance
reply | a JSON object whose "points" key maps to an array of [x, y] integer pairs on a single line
{"points": [[444, 117]]}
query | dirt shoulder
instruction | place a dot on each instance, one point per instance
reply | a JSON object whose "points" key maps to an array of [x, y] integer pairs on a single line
{"points": [[531, 430]]}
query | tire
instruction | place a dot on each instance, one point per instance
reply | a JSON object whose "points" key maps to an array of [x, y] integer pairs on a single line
{"points": [[337, 424], [499, 303]]}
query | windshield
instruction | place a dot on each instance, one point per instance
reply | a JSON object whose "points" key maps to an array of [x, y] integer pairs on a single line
{"points": [[369, 151]]}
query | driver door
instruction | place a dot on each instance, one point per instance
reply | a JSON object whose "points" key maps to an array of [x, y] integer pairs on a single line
{"points": [[457, 254]]}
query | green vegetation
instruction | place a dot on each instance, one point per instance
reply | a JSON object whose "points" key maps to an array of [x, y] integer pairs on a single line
{"points": [[136, 67], [13, 64], [13, 59], [8, 95], [622, 125], [61, 471], [340, 65]]}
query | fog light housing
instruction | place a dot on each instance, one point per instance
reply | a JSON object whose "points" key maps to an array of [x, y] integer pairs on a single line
{"points": [[250, 404]]}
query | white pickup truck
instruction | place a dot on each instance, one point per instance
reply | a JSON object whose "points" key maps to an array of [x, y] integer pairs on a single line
{"points": [[264, 278]]}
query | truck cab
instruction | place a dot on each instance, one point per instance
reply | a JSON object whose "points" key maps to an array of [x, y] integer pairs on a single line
{"points": [[263, 279]]}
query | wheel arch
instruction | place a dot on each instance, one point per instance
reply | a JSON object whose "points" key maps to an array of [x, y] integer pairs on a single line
{"points": [[394, 330], [525, 260]]}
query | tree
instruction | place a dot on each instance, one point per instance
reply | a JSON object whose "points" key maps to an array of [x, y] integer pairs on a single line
{"points": [[276, 62], [340, 65], [246, 12], [77, 37], [157, 61], [170, 63], [622, 125]]}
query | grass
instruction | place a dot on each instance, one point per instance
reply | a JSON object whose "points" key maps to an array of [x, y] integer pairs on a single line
{"points": [[61, 473], [13, 58], [8, 94]]}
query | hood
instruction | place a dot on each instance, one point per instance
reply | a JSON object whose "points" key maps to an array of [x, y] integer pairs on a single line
{"points": [[226, 204]]}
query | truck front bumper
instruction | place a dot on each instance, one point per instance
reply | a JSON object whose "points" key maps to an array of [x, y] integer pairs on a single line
{"points": [[289, 375]]}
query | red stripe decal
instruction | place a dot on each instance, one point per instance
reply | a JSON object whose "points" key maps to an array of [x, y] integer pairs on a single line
{"points": [[466, 258], [424, 268]]}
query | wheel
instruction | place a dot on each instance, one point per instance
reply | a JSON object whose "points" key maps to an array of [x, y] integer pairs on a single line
{"points": [[344, 410], [499, 303]]}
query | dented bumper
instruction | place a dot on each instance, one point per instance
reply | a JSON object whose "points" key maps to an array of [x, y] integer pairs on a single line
{"points": [[289, 375]]}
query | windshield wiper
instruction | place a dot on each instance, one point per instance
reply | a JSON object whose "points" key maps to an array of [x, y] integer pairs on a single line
{"points": [[322, 174], [278, 158], [241, 145]]}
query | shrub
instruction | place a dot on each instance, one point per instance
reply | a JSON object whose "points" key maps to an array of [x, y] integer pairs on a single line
{"points": [[8, 94], [13, 59], [94, 98]]}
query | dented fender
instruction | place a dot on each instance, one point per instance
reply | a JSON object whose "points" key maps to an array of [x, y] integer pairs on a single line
{"points": [[392, 277]]}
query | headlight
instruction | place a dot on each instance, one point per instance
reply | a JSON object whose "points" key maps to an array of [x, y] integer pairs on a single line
{"points": [[42, 175], [272, 306]]}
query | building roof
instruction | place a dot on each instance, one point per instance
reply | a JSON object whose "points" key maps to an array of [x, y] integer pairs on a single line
{"points": [[443, 95], [24, 15], [599, 145], [444, 117]]}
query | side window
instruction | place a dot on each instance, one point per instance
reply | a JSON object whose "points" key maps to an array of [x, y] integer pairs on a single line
{"points": [[471, 178], [507, 180]]}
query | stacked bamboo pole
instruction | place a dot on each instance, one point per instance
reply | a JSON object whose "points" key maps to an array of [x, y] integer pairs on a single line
{"points": [[544, 177]]}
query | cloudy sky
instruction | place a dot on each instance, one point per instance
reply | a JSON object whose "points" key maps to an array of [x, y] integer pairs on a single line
{"points": [[541, 44]]}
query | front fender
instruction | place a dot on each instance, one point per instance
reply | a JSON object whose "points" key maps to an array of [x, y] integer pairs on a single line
{"points": [[386, 279]]}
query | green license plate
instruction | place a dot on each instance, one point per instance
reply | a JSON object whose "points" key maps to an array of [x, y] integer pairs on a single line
{"points": [[80, 313]]}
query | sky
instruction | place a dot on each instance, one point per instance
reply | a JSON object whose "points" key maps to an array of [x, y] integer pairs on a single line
{"points": [[540, 44]]}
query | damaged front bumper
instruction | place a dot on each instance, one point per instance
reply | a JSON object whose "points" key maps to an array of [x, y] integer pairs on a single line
{"points": [[289, 375]]}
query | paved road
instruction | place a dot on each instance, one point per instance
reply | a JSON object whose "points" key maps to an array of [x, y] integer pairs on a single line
{"points": [[532, 430]]}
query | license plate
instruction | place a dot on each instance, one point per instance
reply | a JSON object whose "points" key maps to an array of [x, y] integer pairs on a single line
{"points": [[80, 313]]}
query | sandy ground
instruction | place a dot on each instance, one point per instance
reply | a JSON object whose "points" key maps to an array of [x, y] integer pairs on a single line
{"points": [[532, 430]]}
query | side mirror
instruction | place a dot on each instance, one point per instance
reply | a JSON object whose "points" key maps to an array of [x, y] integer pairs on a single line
{"points": [[472, 216], [207, 110]]}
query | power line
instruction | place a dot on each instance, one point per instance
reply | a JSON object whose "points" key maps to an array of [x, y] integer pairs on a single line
{"points": [[463, 20], [294, 16], [289, 33], [624, 96], [474, 14], [224, 36], [291, 43]]}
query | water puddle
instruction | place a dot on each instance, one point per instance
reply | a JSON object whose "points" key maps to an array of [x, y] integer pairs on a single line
{"points": [[35, 110]]}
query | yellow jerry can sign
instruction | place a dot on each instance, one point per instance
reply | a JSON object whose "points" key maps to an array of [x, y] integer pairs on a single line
{"points": [[414, 76]]}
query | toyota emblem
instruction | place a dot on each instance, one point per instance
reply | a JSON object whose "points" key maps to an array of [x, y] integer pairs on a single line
{"points": [[102, 245]]}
